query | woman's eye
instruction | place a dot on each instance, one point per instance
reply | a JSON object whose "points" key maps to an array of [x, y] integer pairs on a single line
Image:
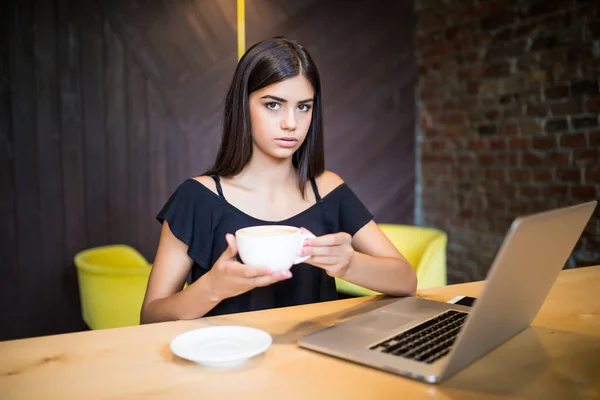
{"points": [[304, 107], [273, 106]]}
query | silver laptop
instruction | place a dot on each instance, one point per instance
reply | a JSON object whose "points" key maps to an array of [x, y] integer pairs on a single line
{"points": [[431, 341]]}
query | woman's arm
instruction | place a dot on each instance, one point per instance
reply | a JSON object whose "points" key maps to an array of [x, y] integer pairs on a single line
{"points": [[378, 265], [368, 259], [164, 300]]}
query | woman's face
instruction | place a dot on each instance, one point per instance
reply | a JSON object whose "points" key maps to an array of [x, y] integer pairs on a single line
{"points": [[280, 116]]}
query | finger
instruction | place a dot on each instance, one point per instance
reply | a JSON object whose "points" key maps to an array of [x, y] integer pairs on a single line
{"points": [[318, 251], [330, 269], [253, 272], [245, 271], [266, 280], [304, 230], [333, 239], [231, 249], [323, 260]]}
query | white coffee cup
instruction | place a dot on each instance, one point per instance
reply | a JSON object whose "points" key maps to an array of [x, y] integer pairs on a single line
{"points": [[272, 246]]}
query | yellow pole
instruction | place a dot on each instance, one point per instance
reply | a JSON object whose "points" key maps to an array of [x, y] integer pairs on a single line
{"points": [[241, 28]]}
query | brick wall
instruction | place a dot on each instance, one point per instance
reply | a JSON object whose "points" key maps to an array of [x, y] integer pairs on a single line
{"points": [[508, 105]]}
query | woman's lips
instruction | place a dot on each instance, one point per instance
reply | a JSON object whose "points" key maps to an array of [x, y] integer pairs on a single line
{"points": [[286, 142]]}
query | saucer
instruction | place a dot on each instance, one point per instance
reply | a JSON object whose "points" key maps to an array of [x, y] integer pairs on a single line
{"points": [[221, 346]]}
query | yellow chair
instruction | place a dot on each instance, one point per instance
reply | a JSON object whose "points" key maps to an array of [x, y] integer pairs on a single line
{"points": [[424, 248], [112, 284]]}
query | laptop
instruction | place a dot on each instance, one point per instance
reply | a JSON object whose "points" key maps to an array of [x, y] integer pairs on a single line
{"points": [[431, 341]]}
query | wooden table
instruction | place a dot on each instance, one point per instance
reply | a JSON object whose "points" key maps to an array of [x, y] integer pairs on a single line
{"points": [[558, 357]]}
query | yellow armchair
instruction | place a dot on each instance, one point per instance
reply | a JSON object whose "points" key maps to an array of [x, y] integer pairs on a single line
{"points": [[112, 284], [424, 248]]}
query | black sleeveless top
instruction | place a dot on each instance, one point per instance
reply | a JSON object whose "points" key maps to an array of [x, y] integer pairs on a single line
{"points": [[200, 218]]}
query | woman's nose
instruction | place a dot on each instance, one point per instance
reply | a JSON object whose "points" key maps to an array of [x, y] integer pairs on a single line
{"points": [[289, 121]]}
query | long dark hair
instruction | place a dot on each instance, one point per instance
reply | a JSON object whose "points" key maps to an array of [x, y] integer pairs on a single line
{"points": [[264, 64]]}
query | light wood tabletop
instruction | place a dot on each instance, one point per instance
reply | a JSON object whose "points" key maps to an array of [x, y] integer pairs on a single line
{"points": [[558, 357]]}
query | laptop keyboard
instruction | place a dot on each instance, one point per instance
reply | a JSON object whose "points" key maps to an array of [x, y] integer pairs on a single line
{"points": [[426, 342]]}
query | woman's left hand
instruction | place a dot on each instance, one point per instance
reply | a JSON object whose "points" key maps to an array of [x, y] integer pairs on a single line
{"points": [[331, 252]]}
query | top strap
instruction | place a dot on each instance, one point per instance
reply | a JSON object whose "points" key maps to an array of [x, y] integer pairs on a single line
{"points": [[316, 190], [218, 184]]}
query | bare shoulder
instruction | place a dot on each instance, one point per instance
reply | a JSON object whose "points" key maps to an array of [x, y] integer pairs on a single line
{"points": [[206, 181], [327, 182]]}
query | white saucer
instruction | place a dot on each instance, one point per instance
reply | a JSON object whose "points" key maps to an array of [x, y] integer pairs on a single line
{"points": [[221, 346]]}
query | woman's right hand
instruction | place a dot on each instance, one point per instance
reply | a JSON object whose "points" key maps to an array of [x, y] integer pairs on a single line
{"points": [[229, 278]]}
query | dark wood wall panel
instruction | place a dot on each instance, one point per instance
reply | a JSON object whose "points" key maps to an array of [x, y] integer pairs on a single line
{"points": [[72, 157], [9, 288], [107, 106], [115, 90], [138, 155], [26, 171], [49, 161], [94, 132], [158, 165], [188, 52]]}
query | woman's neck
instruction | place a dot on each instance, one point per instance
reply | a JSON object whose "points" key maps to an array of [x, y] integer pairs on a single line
{"points": [[267, 172]]}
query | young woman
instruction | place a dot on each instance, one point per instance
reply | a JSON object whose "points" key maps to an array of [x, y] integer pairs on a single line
{"points": [[269, 170]]}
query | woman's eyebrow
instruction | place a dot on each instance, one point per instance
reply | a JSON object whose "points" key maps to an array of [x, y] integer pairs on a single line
{"points": [[284, 100]]}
